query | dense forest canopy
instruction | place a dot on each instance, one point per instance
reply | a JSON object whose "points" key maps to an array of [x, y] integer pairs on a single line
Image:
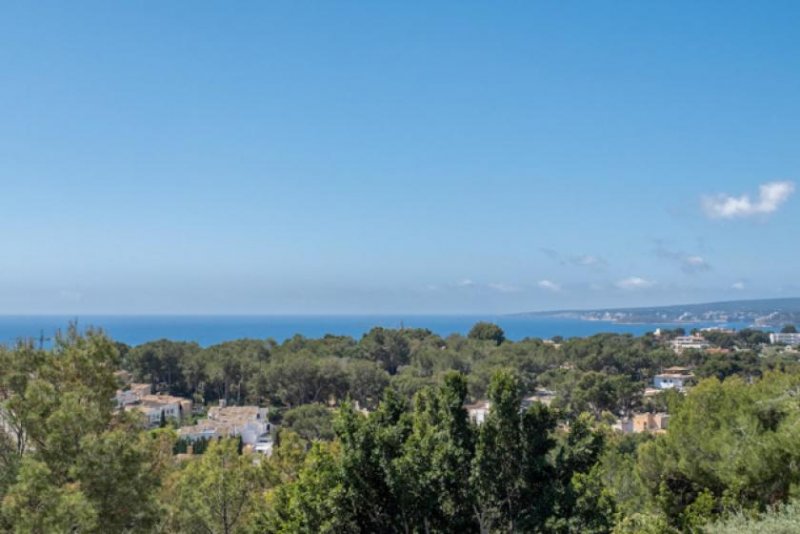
{"points": [[374, 436]]}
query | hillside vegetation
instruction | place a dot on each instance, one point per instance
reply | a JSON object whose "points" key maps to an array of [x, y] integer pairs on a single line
{"points": [[375, 436]]}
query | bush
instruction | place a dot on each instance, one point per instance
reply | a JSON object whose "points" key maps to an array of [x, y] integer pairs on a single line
{"points": [[780, 520]]}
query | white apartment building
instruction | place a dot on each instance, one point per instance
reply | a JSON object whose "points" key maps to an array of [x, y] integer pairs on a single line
{"points": [[785, 339]]}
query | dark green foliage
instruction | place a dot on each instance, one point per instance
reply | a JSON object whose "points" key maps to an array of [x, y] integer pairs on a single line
{"points": [[164, 364], [416, 463], [181, 446], [487, 332], [511, 475], [199, 446], [730, 446], [389, 348], [310, 422]]}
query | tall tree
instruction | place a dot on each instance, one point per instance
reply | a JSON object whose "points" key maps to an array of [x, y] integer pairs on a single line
{"points": [[390, 348], [511, 474], [78, 451], [487, 332], [217, 492]]}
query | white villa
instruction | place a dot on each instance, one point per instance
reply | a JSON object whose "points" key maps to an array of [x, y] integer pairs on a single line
{"points": [[673, 378], [131, 394], [478, 411], [249, 422], [682, 343], [158, 407]]}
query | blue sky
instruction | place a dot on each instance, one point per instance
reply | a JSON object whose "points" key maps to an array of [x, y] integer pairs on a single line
{"points": [[377, 157]]}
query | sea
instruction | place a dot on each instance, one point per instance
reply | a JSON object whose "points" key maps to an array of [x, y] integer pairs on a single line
{"points": [[208, 330]]}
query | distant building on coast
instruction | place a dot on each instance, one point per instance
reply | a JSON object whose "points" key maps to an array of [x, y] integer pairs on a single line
{"points": [[785, 339], [673, 378], [682, 343]]}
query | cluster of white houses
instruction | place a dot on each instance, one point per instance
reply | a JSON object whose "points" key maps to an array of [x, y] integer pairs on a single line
{"points": [[248, 422], [677, 378], [155, 408], [251, 423]]}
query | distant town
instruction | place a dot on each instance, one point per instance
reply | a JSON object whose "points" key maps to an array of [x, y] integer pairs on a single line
{"points": [[760, 313]]}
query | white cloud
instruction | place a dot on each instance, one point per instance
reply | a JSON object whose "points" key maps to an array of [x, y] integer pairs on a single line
{"points": [[549, 285], [587, 260], [694, 264], [634, 282], [738, 285], [770, 197], [466, 282]]}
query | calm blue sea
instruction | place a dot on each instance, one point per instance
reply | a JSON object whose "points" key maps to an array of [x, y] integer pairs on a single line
{"points": [[208, 330]]}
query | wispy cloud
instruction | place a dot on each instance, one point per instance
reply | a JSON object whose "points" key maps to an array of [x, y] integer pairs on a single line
{"points": [[551, 253], [549, 285], [467, 284], [579, 260], [770, 197], [694, 264], [689, 263], [587, 260], [503, 288], [634, 282], [738, 285]]}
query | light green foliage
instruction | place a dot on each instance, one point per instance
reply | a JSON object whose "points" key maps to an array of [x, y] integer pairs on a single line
{"points": [[643, 523], [81, 465], [729, 442], [286, 460], [314, 503], [310, 422], [69, 462], [37, 504], [215, 492], [783, 519]]}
